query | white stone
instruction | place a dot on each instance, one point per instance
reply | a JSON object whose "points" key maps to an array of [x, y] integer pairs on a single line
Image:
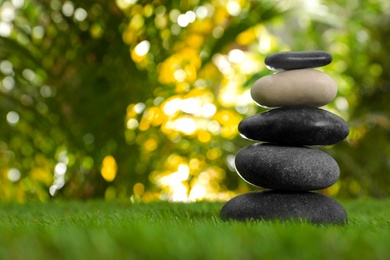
{"points": [[294, 87]]}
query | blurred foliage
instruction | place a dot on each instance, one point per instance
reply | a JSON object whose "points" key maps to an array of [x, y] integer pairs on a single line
{"points": [[142, 99]]}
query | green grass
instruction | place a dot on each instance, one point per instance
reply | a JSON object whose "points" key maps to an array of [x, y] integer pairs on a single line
{"points": [[113, 230]]}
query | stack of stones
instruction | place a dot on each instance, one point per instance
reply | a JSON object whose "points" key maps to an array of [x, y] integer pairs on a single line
{"points": [[284, 160]]}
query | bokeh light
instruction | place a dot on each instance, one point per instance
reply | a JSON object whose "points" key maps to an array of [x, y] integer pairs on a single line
{"points": [[109, 168], [125, 99]]}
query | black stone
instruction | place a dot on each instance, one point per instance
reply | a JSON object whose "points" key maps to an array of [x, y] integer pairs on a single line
{"points": [[286, 167], [311, 207], [295, 125], [297, 60]]}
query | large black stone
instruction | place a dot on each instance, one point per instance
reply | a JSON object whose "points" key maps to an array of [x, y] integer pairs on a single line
{"points": [[286, 167], [295, 125], [272, 205], [297, 60]]}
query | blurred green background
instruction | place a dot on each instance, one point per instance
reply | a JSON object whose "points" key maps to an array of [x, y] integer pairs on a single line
{"points": [[141, 100]]}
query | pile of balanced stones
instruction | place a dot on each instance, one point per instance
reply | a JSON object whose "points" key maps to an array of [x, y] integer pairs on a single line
{"points": [[284, 160]]}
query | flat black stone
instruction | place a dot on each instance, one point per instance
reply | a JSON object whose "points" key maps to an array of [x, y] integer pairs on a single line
{"points": [[295, 125], [311, 207], [297, 60], [286, 167]]}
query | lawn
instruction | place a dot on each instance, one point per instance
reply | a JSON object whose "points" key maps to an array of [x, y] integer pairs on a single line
{"points": [[118, 230]]}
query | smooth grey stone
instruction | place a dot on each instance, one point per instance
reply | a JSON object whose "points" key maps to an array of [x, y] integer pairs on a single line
{"points": [[312, 207], [295, 125], [297, 60], [294, 87], [286, 167]]}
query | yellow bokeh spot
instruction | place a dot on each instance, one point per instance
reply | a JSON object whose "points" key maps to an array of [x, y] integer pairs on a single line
{"points": [[148, 10], [214, 153], [137, 22], [142, 61], [333, 190], [153, 116], [139, 189], [182, 87], [195, 40], [156, 116], [123, 4], [203, 26], [229, 132], [41, 175], [151, 196], [357, 133], [109, 168], [129, 36], [96, 31], [150, 145], [161, 22], [130, 112], [228, 118], [196, 164], [180, 67], [247, 37], [220, 15], [204, 136], [144, 124]]}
